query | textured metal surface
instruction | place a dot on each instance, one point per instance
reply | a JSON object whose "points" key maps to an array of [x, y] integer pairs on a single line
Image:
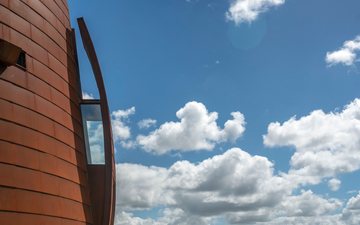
{"points": [[43, 171]]}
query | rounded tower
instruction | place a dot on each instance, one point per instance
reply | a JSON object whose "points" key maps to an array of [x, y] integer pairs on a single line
{"points": [[45, 177]]}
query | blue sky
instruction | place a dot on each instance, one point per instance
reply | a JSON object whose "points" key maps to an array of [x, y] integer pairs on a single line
{"points": [[266, 60]]}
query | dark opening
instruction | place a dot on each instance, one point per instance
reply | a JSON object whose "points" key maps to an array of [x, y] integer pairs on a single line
{"points": [[21, 61]]}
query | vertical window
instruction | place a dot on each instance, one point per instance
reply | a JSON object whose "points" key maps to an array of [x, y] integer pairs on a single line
{"points": [[93, 132]]}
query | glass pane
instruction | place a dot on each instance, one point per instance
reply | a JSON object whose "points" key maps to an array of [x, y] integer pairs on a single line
{"points": [[93, 132]]}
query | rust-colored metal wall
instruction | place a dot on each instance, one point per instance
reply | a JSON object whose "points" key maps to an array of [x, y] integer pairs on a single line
{"points": [[43, 172]]}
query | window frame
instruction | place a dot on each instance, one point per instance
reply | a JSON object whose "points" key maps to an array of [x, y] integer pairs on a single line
{"points": [[88, 150]]}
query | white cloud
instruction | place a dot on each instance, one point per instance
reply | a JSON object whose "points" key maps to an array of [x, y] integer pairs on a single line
{"points": [[317, 220], [197, 130], [213, 179], [124, 218], [354, 203], [291, 210], [246, 11], [326, 144], [122, 132], [334, 184], [124, 113], [233, 129], [141, 187], [232, 182], [235, 186], [96, 142], [146, 123], [346, 55], [86, 95], [244, 189], [308, 204], [351, 213], [169, 216]]}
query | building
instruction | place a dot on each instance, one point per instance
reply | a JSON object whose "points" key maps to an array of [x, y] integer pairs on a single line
{"points": [[56, 150]]}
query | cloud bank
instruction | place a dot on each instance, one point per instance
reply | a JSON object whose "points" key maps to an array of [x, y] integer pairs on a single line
{"points": [[241, 188], [229, 183], [235, 186]]}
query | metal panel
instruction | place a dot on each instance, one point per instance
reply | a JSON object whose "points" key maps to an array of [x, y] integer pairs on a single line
{"points": [[109, 188], [44, 177]]}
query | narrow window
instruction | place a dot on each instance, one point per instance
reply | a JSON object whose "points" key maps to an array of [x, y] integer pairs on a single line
{"points": [[93, 132]]}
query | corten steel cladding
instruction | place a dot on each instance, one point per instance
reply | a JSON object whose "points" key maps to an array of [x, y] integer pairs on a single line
{"points": [[44, 176], [104, 206]]}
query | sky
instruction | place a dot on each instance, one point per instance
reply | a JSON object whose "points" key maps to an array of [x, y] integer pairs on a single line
{"points": [[230, 112]]}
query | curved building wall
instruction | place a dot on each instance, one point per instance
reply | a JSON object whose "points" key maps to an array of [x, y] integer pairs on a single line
{"points": [[43, 172]]}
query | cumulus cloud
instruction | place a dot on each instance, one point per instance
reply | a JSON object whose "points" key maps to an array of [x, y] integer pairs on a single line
{"points": [[125, 218], [346, 55], [246, 11], [141, 187], [168, 216], [146, 123], [317, 220], [244, 189], [235, 186], [216, 179], [326, 144], [351, 213], [232, 182], [290, 210], [308, 204], [354, 203], [305, 209], [334, 184], [121, 131], [86, 95], [196, 130]]}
